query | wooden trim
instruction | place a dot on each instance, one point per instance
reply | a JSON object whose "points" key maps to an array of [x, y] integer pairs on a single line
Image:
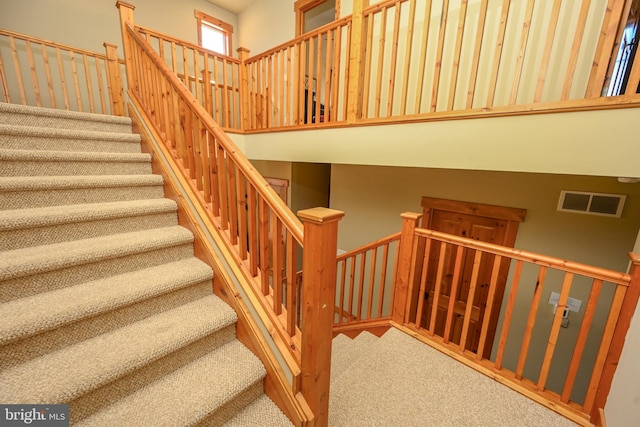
{"points": [[469, 208], [227, 29]]}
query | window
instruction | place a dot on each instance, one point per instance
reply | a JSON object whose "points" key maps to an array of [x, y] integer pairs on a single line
{"points": [[214, 34]]}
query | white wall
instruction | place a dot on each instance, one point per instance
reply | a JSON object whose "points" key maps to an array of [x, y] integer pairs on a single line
{"points": [[266, 24], [599, 143], [88, 24]]}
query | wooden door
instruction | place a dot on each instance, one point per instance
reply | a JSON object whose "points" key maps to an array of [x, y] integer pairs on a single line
{"points": [[493, 224]]}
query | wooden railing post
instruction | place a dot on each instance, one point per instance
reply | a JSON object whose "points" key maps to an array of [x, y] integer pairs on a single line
{"points": [[629, 306], [356, 61], [126, 16], [114, 80], [318, 294], [409, 224], [243, 55]]}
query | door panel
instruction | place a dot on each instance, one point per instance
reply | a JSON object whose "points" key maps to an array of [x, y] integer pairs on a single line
{"points": [[460, 219]]}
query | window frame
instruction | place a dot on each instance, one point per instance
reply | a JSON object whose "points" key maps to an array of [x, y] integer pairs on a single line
{"points": [[204, 19]]}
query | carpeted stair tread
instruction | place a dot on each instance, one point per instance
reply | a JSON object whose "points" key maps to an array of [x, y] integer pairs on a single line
{"points": [[262, 412], [38, 313], [38, 259], [40, 217], [72, 371], [35, 138], [55, 163], [188, 395], [65, 156], [32, 183], [24, 115]]}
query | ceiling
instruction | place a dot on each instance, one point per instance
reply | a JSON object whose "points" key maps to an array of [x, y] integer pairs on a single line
{"points": [[235, 6]]}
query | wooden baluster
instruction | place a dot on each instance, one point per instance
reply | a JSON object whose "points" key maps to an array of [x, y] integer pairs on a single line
{"points": [[470, 298], [456, 56], [65, 94], [419, 298], [393, 61], [551, 35], [232, 172], [277, 252], [225, 95], [407, 55], [581, 341], [206, 85], [608, 367], [47, 69], [263, 229], [213, 172], [347, 71], [188, 142], [352, 285], [498, 53], [87, 76], [437, 286], [356, 64], [319, 266], [363, 263], [327, 78], [372, 281], [439, 54], [223, 186], [402, 279], [292, 301], [335, 86], [3, 79], [526, 26], [533, 310], [290, 114], [16, 64], [423, 55], [513, 292], [343, 285], [241, 196], [309, 89], [103, 104], [216, 112], [489, 309], [34, 77], [76, 84], [477, 50], [252, 230], [383, 280], [453, 293], [318, 85], [555, 331]]}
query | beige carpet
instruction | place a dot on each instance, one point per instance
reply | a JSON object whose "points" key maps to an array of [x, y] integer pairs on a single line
{"points": [[104, 305], [397, 381]]}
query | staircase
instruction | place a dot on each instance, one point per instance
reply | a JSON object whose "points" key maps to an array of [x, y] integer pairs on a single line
{"points": [[103, 304], [397, 380]]}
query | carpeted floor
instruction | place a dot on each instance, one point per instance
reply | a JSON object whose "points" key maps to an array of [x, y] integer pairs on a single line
{"points": [[397, 381]]}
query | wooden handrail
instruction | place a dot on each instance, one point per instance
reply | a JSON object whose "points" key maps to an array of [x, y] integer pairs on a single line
{"points": [[380, 242]]}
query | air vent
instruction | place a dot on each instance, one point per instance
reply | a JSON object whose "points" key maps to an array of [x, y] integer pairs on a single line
{"points": [[591, 203]]}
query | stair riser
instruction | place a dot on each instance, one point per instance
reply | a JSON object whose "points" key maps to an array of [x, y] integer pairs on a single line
{"points": [[25, 286], [22, 238], [100, 398], [74, 196], [63, 123], [36, 345], [67, 168], [68, 144]]}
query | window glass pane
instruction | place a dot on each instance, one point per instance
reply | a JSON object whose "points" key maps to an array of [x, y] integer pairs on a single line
{"points": [[214, 39]]}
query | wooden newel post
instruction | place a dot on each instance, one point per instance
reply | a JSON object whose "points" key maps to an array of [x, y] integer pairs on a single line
{"points": [[243, 55], [126, 17], [409, 224], [629, 306], [114, 80], [318, 300]]}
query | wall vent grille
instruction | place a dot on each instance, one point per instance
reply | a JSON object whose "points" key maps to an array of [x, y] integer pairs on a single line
{"points": [[591, 203]]}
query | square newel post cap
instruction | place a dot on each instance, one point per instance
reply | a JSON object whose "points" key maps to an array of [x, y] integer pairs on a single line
{"points": [[320, 215]]}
